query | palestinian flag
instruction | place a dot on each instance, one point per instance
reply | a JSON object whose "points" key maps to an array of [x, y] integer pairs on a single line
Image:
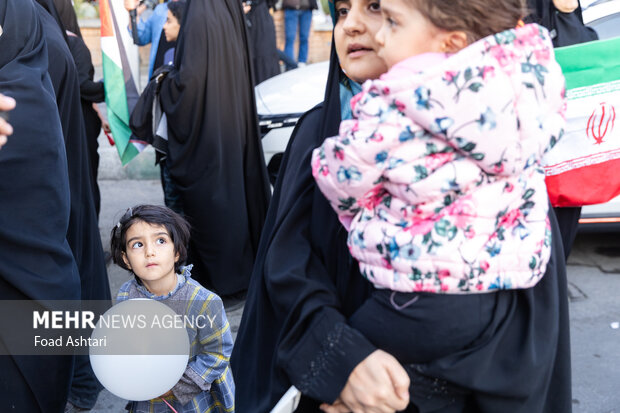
{"points": [[120, 68], [583, 168]]}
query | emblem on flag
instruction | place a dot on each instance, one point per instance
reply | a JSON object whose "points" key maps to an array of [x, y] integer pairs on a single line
{"points": [[600, 121]]}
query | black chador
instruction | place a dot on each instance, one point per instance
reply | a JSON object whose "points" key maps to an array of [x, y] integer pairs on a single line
{"points": [[36, 262], [214, 150], [83, 234], [262, 41]]}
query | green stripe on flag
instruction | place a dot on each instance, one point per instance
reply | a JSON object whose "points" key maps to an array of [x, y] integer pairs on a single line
{"points": [[118, 111], [590, 63]]}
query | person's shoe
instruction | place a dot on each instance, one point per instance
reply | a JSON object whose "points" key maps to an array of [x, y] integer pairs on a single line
{"points": [[301, 64]]}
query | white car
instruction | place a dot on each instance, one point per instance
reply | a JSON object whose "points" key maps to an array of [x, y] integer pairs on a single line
{"points": [[280, 102], [282, 99]]}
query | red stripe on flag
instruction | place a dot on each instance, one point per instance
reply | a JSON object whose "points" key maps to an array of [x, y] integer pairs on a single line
{"points": [[107, 29], [589, 185]]}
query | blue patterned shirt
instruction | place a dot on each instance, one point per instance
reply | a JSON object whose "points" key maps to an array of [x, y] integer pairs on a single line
{"points": [[207, 384]]}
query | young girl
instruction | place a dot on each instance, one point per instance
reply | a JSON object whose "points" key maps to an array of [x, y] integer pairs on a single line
{"points": [[150, 241], [438, 180]]}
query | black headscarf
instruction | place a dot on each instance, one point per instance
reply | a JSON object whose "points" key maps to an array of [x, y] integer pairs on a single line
{"points": [[214, 150], [305, 286], [36, 261], [565, 28], [83, 234], [67, 16]]}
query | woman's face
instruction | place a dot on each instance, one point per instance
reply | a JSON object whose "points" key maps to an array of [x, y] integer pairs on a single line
{"points": [[171, 28], [358, 21]]}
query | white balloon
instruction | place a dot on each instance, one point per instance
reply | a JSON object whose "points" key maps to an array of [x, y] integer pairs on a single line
{"points": [[138, 377], [142, 358]]}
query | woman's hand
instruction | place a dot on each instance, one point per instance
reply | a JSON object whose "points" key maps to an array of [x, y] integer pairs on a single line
{"points": [[378, 384], [105, 125], [566, 6], [6, 104]]}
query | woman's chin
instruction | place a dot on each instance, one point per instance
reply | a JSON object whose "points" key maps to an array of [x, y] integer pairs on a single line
{"points": [[363, 71]]}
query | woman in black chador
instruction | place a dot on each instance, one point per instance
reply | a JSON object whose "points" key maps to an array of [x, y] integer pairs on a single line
{"points": [[214, 150], [83, 233], [91, 92], [36, 262], [305, 288], [262, 39]]}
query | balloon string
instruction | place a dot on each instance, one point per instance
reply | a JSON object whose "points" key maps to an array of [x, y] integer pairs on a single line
{"points": [[171, 408]]}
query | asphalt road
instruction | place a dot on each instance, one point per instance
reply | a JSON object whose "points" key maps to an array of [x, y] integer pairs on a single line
{"points": [[594, 283]]}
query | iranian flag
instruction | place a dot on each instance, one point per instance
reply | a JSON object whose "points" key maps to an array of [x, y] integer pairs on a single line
{"points": [[584, 167], [120, 69]]}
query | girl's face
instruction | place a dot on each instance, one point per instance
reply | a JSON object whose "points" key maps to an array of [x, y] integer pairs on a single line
{"points": [[150, 255], [171, 28], [357, 22], [405, 32]]}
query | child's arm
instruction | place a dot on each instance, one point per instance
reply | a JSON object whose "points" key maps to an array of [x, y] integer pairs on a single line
{"points": [[211, 364]]}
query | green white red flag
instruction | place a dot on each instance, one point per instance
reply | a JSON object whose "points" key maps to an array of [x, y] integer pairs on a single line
{"points": [[120, 72], [583, 168]]}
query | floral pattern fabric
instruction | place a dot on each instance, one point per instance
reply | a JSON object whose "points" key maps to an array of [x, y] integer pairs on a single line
{"points": [[438, 178]]}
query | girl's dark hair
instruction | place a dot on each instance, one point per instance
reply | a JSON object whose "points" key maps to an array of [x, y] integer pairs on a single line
{"points": [[175, 224], [477, 18], [177, 8]]}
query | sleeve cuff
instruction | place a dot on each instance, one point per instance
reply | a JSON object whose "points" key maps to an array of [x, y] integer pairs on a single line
{"points": [[324, 359], [189, 386]]}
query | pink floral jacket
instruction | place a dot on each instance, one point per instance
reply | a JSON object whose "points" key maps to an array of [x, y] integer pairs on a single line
{"points": [[438, 178]]}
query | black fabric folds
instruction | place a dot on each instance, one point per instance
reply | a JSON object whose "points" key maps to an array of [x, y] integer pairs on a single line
{"points": [[214, 150], [83, 234], [262, 38], [36, 261], [305, 286], [90, 92]]}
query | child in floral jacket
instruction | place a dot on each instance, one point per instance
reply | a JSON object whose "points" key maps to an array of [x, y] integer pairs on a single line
{"points": [[438, 177]]}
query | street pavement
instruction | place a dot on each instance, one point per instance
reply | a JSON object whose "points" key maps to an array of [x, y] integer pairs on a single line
{"points": [[593, 273]]}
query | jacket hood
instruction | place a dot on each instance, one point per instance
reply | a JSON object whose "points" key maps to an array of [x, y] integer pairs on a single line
{"points": [[509, 83]]}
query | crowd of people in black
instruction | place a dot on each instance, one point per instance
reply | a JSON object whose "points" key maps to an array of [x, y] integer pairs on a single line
{"points": [[284, 253]]}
